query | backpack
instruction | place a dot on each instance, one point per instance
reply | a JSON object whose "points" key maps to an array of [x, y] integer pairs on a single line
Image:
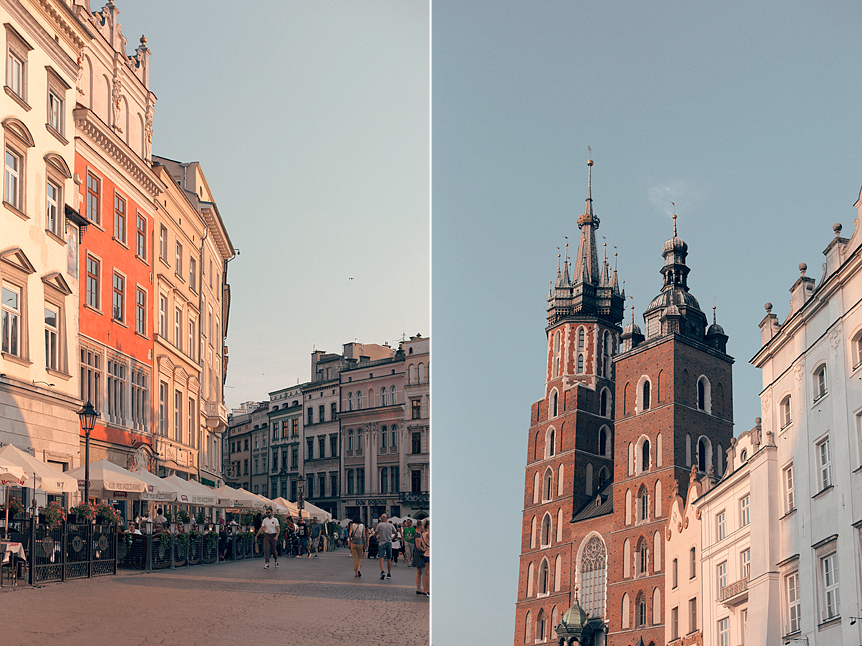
{"points": [[356, 537]]}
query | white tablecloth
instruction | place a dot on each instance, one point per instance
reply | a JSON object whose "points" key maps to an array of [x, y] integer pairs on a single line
{"points": [[14, 548]]}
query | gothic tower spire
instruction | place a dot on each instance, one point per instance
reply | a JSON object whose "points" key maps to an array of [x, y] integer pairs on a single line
{"points": [[587, 261]]}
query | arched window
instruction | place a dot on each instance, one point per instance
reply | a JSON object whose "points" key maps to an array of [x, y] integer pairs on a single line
{"points": [[704, 394], [643, 504], [593, 579], [627, 559], [628, 506], [411, 374], [560, 481], [625, 611], [530, 592], [533, 534], [349, 401], [588, 480], [631, 459], [540, 627], [581, 336], [546, 530], [820, 382], [536, 489], [554, 617], [556, 371], [549, 484], [687, 450], [550, 442], [528, 625], [786, 417], [603, 441], [358, 400], [719, 458], [656, 607], [383, 396], [604, 476], [656, 552], [559, 526], [643, 557], [640, 610], [608, 353], [658, 450], [350, 439], [580, 364], [704, 454], [645, 456], [605, 406], [544, 579], [658, 498], [646, 396], [558, 573], [554, 398], [393, 399]]}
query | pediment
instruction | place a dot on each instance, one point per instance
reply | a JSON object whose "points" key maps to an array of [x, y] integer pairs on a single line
{"points": [[17, 128], [59, 164], [55, 279], [18, 259]]}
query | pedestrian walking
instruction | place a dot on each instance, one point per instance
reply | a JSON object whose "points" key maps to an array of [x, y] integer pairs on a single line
{"points": [[419, 561], [396, 544], [385, 531], [357, 535], [409, 541], [315, 535], [426, 538], [302, 534], [257, 522], [269, 527]]}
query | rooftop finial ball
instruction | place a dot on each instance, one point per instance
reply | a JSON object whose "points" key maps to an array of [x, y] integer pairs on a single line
{"points": [[589, 162], [768, 307], [802, 267]]}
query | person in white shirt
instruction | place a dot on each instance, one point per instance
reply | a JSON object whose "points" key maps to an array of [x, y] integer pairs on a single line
{"points": [[270, 529]]}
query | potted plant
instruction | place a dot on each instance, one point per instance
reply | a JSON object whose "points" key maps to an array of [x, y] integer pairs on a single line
{"points": [[201, 518], [14, 506], [83, 512], [211, 538], [106, 514], [52, 514], [182, 516]]}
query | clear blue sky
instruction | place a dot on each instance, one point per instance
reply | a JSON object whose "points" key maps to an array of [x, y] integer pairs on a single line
{"points": [[311, 122], [747, 115]]}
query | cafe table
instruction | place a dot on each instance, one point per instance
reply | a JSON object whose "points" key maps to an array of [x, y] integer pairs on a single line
{"points": [[9, 549]]}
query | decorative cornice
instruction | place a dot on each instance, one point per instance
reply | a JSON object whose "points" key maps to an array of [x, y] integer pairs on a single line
{"points": [[89, 125]]}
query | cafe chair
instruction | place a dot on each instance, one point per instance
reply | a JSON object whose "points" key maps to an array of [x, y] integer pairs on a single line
{"points": [[7, 562]]}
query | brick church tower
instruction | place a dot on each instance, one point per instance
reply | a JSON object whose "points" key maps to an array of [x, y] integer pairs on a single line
{"points": [[674, 413], [570, 441]]}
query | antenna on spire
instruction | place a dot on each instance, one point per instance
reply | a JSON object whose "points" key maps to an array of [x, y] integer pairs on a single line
{"points": [[674, 219], [567, 250], [713, 310]]}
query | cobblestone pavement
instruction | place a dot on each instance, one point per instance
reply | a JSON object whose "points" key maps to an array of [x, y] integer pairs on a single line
{"points": [[305, 601]]}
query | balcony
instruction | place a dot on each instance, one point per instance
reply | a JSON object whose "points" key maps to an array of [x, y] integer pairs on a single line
{"points": [[216, 414], [735, 593]]}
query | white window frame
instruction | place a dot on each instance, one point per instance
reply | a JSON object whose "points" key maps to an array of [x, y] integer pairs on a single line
{"points": [[793, 607], [118, 297], [829, 585], [13, 185], [52, 337], [12, 320], [17, 48], [721, 525], [724, 632], [789, 483], [721, 577], [824, 463], [745, 510], [52, 205], [141, 310], [745, 563]]}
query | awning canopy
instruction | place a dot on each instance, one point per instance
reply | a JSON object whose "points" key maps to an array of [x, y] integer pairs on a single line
{"points": [[42, 476], [108, 480], [158, 489], [191, 493], [239, 498]]}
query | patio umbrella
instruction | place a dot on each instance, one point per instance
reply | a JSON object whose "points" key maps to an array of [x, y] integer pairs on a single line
{"points": [[44, 477], [158, 488], [345, 522], [204, 496], [239, 498], [10, 473], [317, 512], [292, 507], [191, 495], [110, 480]]}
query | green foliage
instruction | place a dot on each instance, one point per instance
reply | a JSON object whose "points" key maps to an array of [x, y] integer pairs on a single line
{"points": [[52, 514]]}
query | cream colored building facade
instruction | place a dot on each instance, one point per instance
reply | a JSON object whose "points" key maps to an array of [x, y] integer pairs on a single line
{"points": [[39, 384], [683, 576]]}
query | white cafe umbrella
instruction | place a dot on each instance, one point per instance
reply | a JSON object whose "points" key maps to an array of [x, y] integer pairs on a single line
{"points": [[110, 480], [204, 496], [10, 473], [316, 512], [43, 476], [256, 501], [345, 522], [158, 489], [292, 507], [189, 495], [239, 498]]}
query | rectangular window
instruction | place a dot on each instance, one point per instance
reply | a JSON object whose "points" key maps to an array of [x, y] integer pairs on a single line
{"points": [[294, 427], [721, 576], [350, 490], [674, 623], [178, 417], [692, 563], [675, 573], [416, 409], [416, 481], [309, 444], [163, 316], [192, 425], [321, 446], [384, 480], [178, 329], [191, 348], [211, 273], [744, 515], [11, 320], [789, 491], [52, 336], [141, 312], [417, 443], [193, 268], [394, 479], [333, 484], [140, 399], [333, 411], [794, 609], [824, 457], [245, 467], [179, 265], [55, 111], [721, 525], [94, 185], [141, 237], [692, 615], [310, 415], [91, 377], [321, 410], [831, 599], [14, 183], [116, 392], [393, 439], [93, 275], [119, 300], [119, 218], [294, 458], [745, 563], [309, 485], [360, 481], [333, 446], [15, 74], [163, 243], [52, 207], [724, 632]]}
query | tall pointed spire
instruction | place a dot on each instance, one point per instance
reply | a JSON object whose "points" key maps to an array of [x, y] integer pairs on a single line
{"points": [[587, 260], [615, 283]]}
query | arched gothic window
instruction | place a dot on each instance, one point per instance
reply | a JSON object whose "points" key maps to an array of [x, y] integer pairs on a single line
{"points": [[540, 627], [605, 408], [704, 457], [554, 398], [549, 484], [643, 558], [604, 476], [640, 611], [546, 530], [643, 504], [646, 396], [581, 339], [550, 447], [580, 364], [358, 400], [544, 580], [556, 354], [603, 441], [528, 626], [645, 456], [411, 374], [593, 577]]}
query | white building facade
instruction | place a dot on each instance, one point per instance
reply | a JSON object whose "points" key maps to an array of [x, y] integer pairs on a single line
{"points": [[812, 478]]}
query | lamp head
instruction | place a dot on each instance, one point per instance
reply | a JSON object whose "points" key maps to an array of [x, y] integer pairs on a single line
{"points": [[88, 416]]}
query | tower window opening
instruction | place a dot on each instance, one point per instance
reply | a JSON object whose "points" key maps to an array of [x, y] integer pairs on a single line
{"points": [[646, 396]]}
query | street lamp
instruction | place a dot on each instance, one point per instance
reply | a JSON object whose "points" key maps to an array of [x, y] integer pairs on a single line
{"points": [[88, 416], [301, 495]]}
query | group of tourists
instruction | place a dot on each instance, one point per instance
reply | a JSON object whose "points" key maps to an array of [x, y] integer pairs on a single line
{"points": [[414, 543], [298, 537]]}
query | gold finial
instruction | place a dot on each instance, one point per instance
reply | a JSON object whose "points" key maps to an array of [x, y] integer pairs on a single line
{"points": [[143, 41], [713, 314], [674, 219], [576, 593]]}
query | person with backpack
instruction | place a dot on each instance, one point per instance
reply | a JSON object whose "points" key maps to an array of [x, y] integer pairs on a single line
{"points": [[316, 531], [357, 536]]}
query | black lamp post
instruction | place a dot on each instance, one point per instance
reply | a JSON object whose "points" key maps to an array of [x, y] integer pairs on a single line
{"points": [[301, 495], [88, 416]]}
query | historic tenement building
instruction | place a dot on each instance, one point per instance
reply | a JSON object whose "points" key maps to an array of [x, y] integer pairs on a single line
{"points": [[640, 409]]}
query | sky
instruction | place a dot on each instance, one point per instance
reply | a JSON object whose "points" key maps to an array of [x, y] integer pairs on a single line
{"points": [[311, 122], [746, 115]]}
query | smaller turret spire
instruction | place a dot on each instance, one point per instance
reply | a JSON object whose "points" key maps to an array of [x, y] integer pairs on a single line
{"points": [[674, 219], [615, 284]]}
